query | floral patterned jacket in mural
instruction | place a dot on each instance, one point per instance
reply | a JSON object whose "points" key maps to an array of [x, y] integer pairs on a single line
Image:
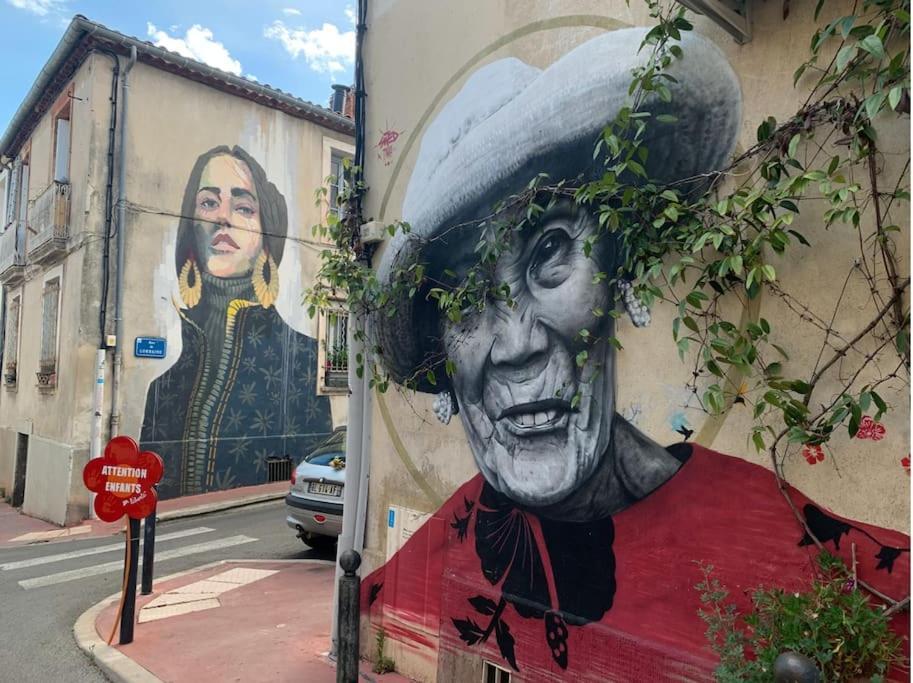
{"points": [[612, 599], [243, 391]]}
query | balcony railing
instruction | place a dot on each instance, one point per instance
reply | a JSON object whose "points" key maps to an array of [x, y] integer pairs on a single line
{"points": [[12, 253], [49, 219]]}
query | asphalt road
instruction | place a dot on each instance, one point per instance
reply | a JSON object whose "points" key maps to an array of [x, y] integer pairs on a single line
{"points": [[39, 603]]}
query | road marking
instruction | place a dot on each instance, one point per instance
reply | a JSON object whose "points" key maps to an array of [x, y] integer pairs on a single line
{"points": [[53, 533], [74, 574], [48, 559]]}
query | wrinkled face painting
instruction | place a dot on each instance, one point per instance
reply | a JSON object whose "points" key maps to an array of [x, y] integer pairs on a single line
{"points": [[227, 226], [516, 373]]}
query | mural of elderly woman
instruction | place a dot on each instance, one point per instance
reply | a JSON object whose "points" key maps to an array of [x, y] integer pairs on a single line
{"points": [[575, 551], [243, 389]]}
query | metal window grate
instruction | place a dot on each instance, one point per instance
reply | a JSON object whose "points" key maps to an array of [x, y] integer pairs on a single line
{"points": [[336, 362], [492, 673], [279, 469]]}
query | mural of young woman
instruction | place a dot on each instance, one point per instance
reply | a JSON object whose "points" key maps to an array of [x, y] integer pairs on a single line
{"points": [[580, 533], [243, 389]]}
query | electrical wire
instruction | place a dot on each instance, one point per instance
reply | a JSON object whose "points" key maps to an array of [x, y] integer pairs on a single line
{"points": [[314, 244], [123, 588]]}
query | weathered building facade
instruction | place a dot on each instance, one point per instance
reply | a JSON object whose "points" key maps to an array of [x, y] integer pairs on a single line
{"points": [[558, 541], [207, 180]]}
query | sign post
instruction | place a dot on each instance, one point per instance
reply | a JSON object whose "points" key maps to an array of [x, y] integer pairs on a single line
{"points": [[148, 553], [124, 480]]}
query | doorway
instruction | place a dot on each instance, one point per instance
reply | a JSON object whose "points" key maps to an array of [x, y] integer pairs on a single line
{"points": [[22, 452]]}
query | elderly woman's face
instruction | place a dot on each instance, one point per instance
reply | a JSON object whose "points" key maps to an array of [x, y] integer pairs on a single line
{"points": [[516, 374], [227, 211]]}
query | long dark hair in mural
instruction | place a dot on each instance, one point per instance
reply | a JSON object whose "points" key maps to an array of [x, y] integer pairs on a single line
{"points": [[579, 541], [243, 391]]}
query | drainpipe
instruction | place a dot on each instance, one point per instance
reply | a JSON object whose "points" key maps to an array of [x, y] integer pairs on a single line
{"points": [[121, 229], [98, 386], [358, 433]]}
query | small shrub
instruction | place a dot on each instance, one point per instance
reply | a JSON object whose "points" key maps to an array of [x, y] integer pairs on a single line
{"points": [[832, 622]]}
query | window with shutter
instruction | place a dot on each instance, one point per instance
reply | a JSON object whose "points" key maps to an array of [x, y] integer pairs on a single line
{"points": [[11, 345], [337, 184], [49, 314]]}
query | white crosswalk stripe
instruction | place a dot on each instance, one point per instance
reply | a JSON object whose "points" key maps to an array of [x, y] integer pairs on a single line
{"points": [[60, 557], [94, 570]]}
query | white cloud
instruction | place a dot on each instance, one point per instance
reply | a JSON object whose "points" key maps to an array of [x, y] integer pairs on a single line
{"points": [[350, 14], [291, 11], [39, 7], [198, 44], [326, 50]]}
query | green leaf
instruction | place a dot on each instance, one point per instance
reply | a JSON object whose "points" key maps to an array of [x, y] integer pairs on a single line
{"points": [[873, 104], [431, 377], [794, 144], [872, 44], [894, 97], [846, 54], [581, 358]]}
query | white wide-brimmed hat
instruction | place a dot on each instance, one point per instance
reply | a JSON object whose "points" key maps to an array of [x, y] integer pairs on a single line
{"points": [[510, 122]]}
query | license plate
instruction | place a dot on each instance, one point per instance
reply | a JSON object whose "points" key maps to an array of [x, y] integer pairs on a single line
{"points": [[325, 489]]}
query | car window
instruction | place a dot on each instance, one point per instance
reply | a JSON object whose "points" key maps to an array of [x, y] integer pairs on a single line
{"points": [[324, 458]]}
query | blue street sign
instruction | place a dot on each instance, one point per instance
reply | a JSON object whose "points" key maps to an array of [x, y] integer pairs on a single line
{"points": [[149, 347]]}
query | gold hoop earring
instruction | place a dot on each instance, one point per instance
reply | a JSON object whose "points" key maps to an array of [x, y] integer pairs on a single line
{"points": [[190, 283], [265, 279]]}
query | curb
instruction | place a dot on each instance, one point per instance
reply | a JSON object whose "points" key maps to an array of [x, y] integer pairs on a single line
{"points": [[117, 666], [209, 508]]}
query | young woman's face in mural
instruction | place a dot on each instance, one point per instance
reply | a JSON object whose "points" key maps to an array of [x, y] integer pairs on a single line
{"points": [[227, 211], [516, 373]]}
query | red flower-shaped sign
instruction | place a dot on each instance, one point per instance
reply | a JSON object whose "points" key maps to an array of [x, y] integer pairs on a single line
{"points": [[123, 479]]}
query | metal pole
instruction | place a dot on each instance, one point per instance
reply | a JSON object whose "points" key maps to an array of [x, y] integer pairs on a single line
{"points": [[348, 615], [148, 552], [128, 615]]}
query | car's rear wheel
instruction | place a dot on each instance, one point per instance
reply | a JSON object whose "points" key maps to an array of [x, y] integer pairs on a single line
{"points": [[317, 541]]}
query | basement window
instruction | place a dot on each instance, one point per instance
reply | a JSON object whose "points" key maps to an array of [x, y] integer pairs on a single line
{"points": [[492, 673]]}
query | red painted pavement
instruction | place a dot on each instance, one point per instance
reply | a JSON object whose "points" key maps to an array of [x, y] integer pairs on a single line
{"points": [[275, 629]]}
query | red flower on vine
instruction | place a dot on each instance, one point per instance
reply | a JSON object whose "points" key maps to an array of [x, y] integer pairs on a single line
{"points": [[813, 454], [905, 463], [869, 429]]}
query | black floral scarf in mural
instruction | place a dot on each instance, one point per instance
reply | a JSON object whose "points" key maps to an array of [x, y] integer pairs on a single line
{"points": [[536, 561]]}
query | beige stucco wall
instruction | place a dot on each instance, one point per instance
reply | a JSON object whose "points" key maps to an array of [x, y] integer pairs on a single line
{"points": [[417, 462], [162, 145], [61, 416]]}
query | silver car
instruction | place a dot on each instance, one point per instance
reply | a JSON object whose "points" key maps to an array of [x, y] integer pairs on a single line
{"points": [[314, 503]]}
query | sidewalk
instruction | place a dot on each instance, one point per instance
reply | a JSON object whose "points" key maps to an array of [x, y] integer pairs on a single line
{"points": [[17, 529], [242, 621]]}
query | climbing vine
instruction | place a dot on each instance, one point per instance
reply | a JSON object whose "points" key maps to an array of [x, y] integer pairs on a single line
{"points": [[711, 245]]}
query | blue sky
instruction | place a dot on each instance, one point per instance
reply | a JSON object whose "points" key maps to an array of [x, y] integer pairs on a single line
{"points": [[300, 46]]}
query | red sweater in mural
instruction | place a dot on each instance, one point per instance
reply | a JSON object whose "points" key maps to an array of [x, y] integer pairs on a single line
{"points": [[613, 599]]}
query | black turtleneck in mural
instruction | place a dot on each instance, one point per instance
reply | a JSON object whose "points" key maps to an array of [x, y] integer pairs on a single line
{"points": [[242, 392]]}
